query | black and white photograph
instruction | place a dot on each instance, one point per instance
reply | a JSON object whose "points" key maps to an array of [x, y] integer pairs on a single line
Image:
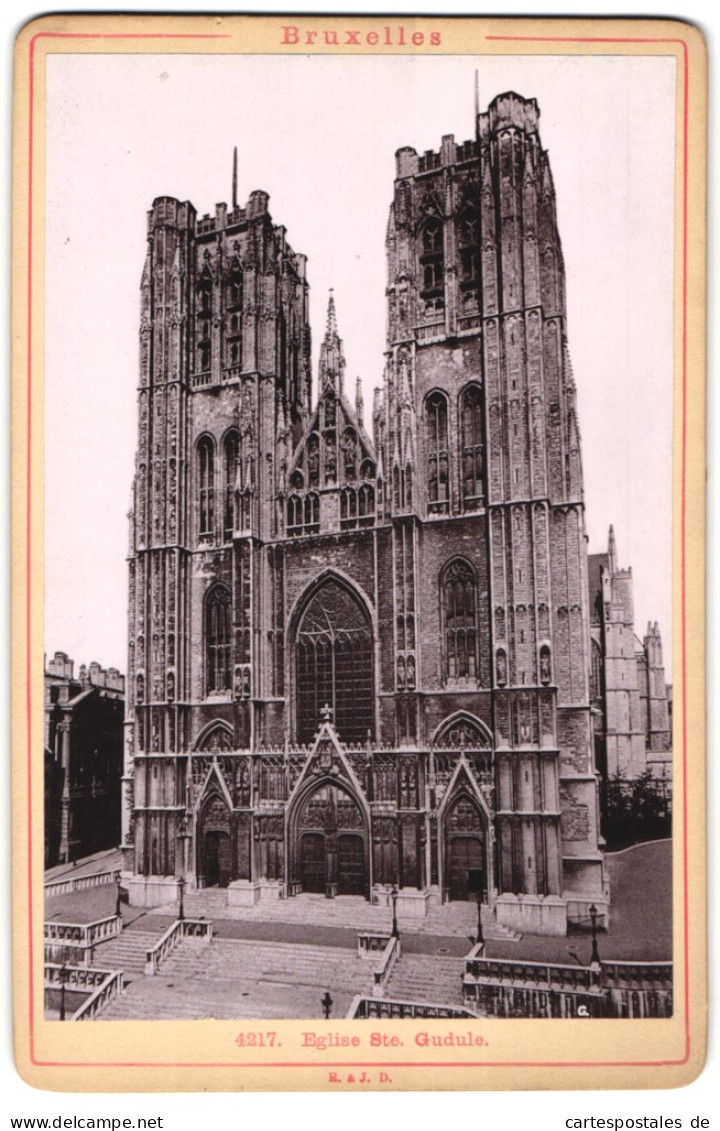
{"points": [[358, 482]]}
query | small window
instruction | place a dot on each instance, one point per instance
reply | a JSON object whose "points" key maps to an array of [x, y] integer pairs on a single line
{"points": [[472, 447], [432, 258], [206, 485], [436, 439]]}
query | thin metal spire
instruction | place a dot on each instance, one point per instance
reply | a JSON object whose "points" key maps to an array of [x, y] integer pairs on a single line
{"points": [[234, 179]]}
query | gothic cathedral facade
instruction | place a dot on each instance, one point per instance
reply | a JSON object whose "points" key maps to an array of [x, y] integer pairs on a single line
{"points": [[361, 662]]}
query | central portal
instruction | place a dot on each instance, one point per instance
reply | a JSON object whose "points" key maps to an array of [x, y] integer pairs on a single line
{"points": [[331, 854]]}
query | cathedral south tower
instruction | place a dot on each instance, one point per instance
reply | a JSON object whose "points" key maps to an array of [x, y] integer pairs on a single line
{"points": [[482, 444]]}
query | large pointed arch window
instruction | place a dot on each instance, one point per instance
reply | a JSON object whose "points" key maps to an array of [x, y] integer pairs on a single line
{"points": [[472, 447], [218, 640], [436, 440], [458, 592], [206, 485], [334, 665]]}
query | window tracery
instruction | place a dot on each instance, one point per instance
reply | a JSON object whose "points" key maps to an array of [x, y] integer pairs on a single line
{"points": [[333, 655], [459, 612], [232, 469], [472, 446], [218, 640], [436, 432], [206, 485], [432, 258]]}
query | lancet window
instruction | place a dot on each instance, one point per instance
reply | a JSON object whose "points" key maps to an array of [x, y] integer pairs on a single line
{"points": [[218, 640], [233, 325], [468, 247], [303, 514], [204, 311], [232, 465], [206, 485], [458, 589], [472, 446], [436, 439], [432, 258]]}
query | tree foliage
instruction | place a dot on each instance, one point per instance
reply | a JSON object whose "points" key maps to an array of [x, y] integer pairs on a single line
{"points": [[635, 809]]}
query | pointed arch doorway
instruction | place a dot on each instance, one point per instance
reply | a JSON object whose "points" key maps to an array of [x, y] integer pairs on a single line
{"points": [[331, 851], [214, 864], [466, 850]]}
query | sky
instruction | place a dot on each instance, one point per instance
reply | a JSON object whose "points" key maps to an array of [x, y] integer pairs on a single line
{"points": [[319, 135]]}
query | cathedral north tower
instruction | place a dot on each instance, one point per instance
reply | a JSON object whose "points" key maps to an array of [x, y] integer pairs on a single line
{"points": [[224, 394]]}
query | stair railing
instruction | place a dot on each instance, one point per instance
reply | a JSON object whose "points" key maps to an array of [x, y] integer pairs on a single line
{"points": [[382, 973], [110, 988], [180, 929]]}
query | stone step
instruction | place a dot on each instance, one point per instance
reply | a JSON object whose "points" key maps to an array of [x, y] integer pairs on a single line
{"points": [[424, 977], [232, 978], [127, 952], [225, 958], [449, 919]]}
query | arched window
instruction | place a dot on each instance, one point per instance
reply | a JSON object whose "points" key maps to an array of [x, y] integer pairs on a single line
{"points": [[468, 246], [217, 640], [348, 508], [204, 311], [436, 439], [206, 485], [458, 586], [294, 516], [235, 289], [366, 505], [312, 513], [472, 450], [231, 451], [334, 665], [431, 258]]}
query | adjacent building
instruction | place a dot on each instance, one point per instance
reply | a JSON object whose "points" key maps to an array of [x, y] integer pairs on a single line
{"points": [[628, 689], [83, 758]]}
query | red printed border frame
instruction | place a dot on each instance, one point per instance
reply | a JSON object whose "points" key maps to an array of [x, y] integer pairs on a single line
{"points": [[28, 611]]}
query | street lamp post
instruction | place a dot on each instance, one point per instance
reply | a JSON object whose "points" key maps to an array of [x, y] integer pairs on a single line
{"points": [[480, 936], [394, 898], [327, 1004], [181, 906], [183, 837], [595, 955], [63, 979]]}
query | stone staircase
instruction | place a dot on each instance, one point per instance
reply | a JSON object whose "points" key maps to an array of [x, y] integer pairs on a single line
{"points": [[448, 919], [126, 952], [236, 979], [427, 977]]}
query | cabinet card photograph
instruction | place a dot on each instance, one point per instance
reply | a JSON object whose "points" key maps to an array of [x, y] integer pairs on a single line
{"points": [[358, 478]]}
